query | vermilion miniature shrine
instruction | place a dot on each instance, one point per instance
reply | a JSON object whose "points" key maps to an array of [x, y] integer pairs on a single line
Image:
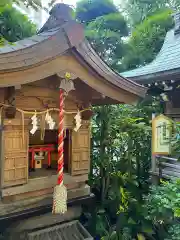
{"points": [[48, 85]]}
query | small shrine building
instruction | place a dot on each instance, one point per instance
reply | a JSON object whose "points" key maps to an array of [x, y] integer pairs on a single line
{"points": [[31, 73]]}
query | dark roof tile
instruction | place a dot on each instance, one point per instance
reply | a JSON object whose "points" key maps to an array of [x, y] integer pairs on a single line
{"points": [[167, 59]]}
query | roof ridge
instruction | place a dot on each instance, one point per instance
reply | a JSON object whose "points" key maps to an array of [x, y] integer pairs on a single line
{"points": [[59, 14]]}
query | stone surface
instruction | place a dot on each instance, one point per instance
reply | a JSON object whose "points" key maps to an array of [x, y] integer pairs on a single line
{"points": [[31, 203], [45, 220]]}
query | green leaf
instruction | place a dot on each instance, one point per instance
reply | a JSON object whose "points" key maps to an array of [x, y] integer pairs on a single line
{"points": [[141, 237], [131, 221]]}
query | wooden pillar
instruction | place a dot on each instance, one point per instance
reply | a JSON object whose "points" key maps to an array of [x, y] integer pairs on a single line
{"points": [[2, 100], [1, 148], [153, 158]]}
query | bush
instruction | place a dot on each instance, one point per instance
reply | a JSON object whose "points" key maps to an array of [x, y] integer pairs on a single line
{"points": [[147, 39], [162, 208], [14, 25]]}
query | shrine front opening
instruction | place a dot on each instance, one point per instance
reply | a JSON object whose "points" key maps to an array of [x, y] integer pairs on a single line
{"points": [[43, 153]]}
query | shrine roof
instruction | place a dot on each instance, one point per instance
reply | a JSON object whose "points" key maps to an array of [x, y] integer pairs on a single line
{"points": [[165, 66], [60, 35], [28, 42]]}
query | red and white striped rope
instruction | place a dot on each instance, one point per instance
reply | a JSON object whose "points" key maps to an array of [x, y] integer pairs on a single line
{"points": [[61, 139]]}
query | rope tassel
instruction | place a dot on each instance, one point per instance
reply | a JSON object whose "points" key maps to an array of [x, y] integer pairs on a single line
{"points": [[60, 191], [59, 199]]}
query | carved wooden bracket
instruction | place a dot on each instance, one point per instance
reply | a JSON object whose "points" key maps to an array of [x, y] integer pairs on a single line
{"points": [[87, 114], [10, 99]]}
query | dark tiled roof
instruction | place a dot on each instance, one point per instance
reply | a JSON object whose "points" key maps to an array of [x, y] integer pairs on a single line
{"points": [[168, 59], [67, 231]]}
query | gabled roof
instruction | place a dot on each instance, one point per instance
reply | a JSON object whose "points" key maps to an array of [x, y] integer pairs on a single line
{"points": [[88, 56], [59, 36], [165, 66]]}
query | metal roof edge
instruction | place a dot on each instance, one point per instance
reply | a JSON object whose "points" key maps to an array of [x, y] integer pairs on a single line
{"points": [[163, 75]]}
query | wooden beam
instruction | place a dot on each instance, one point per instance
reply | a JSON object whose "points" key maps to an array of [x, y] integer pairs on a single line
{"points": [[10, 99]]}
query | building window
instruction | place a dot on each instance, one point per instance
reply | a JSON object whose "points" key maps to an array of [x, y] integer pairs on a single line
{"points": [[43, 153]]}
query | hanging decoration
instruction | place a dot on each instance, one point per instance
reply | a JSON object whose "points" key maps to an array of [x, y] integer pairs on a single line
{"points": [[45, 111], [49, 121], [22, 117], [34, 124], [60, 191], [43, 126], [78, 121]]}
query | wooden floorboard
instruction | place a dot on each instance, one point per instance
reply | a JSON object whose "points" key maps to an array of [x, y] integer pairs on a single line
{"points": [[21, 205], [42, 173]]}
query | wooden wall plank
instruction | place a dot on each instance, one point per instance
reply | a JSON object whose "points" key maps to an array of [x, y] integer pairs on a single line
{"points": [[81, 151], [15, 159], [15, 156]]}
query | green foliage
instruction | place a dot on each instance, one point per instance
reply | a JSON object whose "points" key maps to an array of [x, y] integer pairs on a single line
{"points": [[163, 201], [138, 10], [35, 4], [175, 140], [120, 169], [147, 39], [121, 143], [162, 208], [125, 209], [105, 34], [174, 232], [105, 26], [106, 31], [89, 10], [15, 26]]}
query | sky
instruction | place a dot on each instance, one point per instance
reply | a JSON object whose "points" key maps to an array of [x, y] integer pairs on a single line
{"points": [[70, 2], [73, 2], [41, 17]]}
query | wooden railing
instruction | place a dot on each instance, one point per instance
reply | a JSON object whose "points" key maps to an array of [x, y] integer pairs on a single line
{"points": [[168, 167]]}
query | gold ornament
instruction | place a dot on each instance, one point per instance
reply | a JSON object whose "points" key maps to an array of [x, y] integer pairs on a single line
{"points": [[67, 75]]}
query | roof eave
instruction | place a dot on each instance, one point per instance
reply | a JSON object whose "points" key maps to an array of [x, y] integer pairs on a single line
{"points": [[157, 77], [104, 72]]}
